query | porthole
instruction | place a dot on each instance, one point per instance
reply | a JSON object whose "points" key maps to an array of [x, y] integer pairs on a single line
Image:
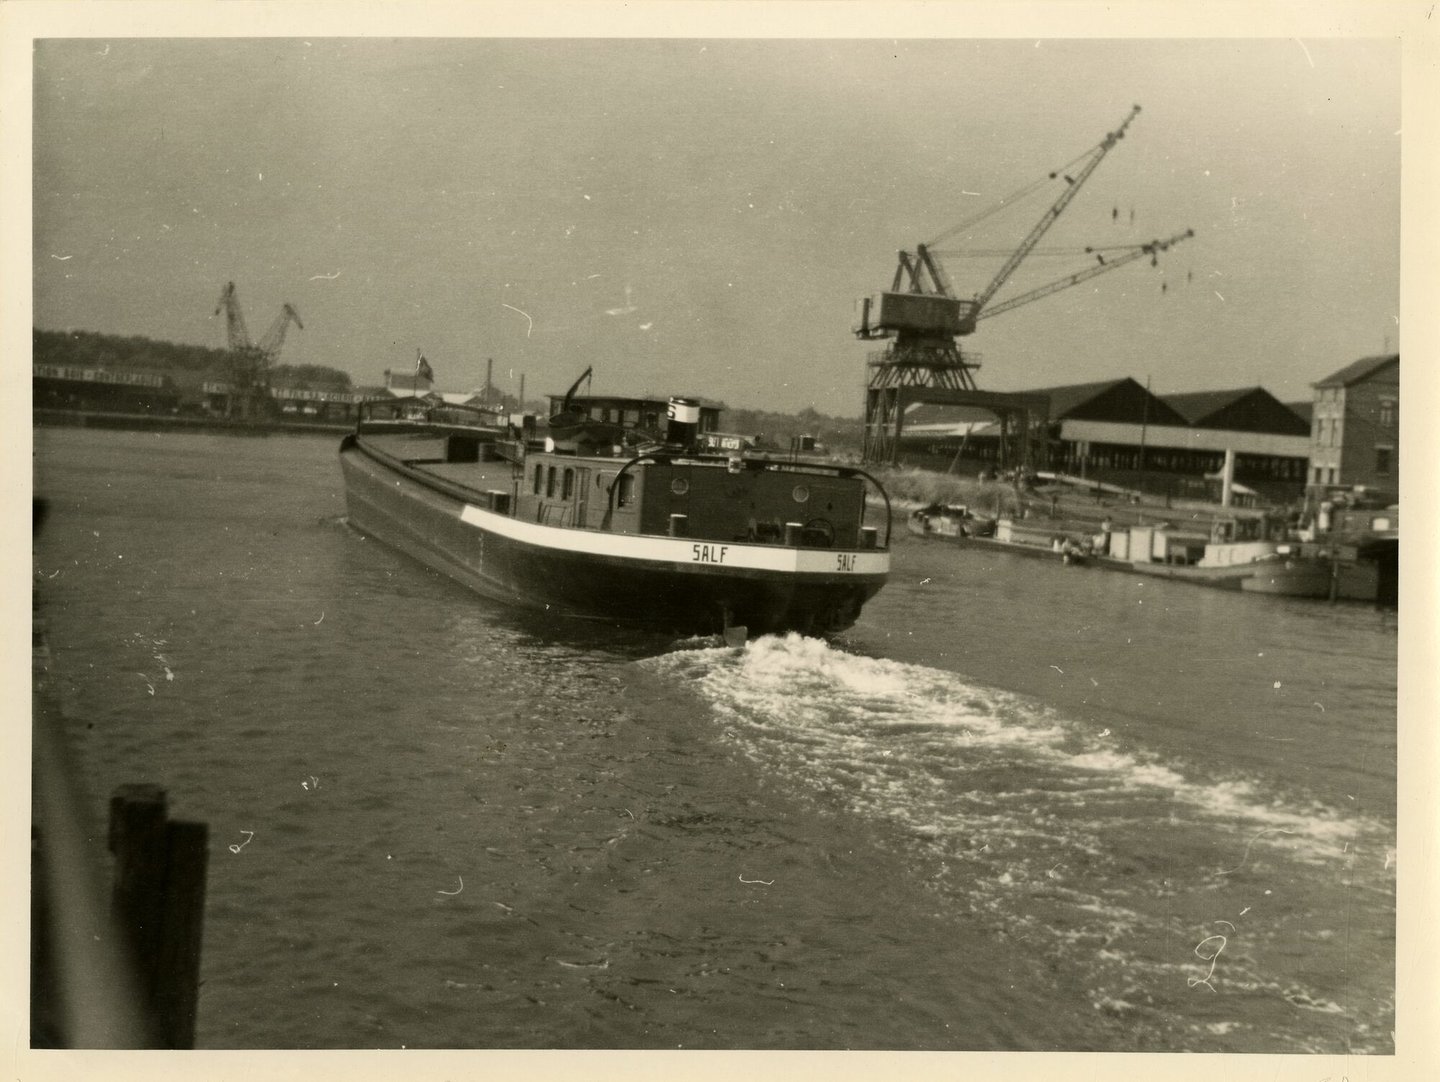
{"points": [[679, 486], [800, 493]]}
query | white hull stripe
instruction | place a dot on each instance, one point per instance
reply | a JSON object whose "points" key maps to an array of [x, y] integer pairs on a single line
{"points": [[681, 550]]}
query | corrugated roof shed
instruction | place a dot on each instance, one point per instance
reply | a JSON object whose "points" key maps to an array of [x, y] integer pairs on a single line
{"points": [[1358, 370], [1120, 400], [1196, 406], [1066, 399], [1245, 409]]}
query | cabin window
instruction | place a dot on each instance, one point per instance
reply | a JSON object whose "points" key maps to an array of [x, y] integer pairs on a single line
{"points": [[550, 482], [539, 478], [1387, 413], [625, 493], [569, 486]]}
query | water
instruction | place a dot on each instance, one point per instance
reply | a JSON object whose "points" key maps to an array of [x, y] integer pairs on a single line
{"points": [[1019, 806]]}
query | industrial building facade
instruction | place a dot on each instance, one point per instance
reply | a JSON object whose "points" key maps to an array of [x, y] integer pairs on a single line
{"points": [[1355, 426], [1118, 431]]}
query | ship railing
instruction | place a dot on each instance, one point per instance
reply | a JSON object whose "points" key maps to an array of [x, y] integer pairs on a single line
{"points": [[555, 514]]}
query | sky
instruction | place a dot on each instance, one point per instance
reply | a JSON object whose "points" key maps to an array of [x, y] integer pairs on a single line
{"points": [[698, 215]]}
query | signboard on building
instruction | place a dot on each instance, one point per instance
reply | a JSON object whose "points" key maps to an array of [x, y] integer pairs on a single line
{"points": [[298, 395], [97, 375]]}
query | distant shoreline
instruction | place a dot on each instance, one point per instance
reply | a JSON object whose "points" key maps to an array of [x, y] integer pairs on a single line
{"points": [[145, 422]]}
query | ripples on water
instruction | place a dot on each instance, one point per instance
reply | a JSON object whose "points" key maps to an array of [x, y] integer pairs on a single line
{"points": [[474, 827], [1100, 858]]}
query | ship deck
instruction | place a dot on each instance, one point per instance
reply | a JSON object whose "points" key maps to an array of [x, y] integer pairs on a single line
{"points": [[426, 453]]}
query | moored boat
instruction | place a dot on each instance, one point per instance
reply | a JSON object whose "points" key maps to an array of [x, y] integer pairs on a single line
{"points": [[1285, 573], [952, 520], [603, 521], [958, 524], [1252, 564]]}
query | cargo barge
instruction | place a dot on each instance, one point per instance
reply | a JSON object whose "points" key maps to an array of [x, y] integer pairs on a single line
{"points": [[600, 521]]}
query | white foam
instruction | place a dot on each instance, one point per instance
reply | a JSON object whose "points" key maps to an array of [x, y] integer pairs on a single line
{"points": [[930, 750]]}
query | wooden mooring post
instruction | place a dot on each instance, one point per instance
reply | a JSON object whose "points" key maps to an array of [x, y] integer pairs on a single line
{"points": [[158, 905]]}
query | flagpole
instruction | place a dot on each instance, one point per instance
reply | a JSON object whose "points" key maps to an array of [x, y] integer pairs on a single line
{"points": [[1144, 424]]}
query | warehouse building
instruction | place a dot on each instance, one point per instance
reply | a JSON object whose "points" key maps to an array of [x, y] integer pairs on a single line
{"points": [[102, 389], [1118, 431]]}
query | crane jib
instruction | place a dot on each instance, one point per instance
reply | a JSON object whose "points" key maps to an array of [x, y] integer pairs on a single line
{"points": [[942, 313], [1096, 156]]}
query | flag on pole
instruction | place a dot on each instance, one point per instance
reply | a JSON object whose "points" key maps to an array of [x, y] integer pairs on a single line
{"points": [[422, 368]]}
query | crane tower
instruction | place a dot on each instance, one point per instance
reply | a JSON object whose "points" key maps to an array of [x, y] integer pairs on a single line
{"points": [[250, 362], [923, 318]]}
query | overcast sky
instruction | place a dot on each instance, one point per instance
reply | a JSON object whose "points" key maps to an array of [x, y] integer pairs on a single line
{"points": [[699, 216]]}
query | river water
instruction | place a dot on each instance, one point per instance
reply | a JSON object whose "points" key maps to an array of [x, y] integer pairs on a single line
{"points": [[1018, 807]]}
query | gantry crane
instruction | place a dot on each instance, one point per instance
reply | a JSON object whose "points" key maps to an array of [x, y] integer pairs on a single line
{"points": [[249, 374], [923, 317]]}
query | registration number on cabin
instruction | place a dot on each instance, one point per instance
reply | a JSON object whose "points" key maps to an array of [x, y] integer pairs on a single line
{"points": [[708, 554]]}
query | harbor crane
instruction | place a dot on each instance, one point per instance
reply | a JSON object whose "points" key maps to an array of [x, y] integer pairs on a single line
{"points": [[1122, 254], [923, 317], [250, 362]]}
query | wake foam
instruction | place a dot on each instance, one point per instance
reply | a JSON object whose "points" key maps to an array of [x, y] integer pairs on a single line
{"points": [[942, 756]]}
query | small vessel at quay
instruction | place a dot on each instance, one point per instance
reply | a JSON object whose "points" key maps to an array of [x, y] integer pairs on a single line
{"points": [[950, 520], [1231, 556], [601, 520], [958, 524]]}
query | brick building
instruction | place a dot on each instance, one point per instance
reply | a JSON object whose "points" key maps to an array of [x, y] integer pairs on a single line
{"points": [[1355, 426]]}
